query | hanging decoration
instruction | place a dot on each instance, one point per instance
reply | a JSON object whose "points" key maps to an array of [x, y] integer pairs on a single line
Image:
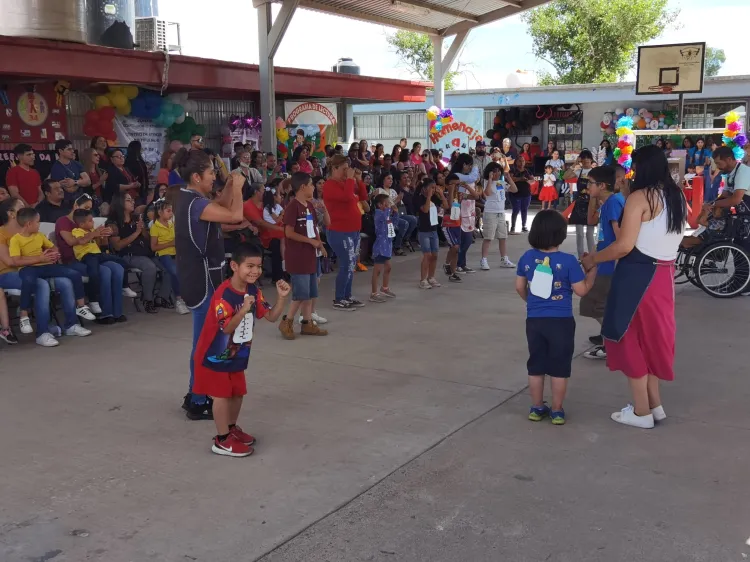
{"points": [[733, 136], [247, 123], [439, 118], [62, 87], [99, 123], [184, 130], [282, 136], [642, 119], [625, 144]]}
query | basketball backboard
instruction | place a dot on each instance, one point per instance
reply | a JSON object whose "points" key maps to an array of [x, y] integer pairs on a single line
{"points": [[670, 69]]}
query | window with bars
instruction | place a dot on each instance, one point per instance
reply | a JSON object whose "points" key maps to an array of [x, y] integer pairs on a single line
{"points": [[708, 115], [412, 125]]}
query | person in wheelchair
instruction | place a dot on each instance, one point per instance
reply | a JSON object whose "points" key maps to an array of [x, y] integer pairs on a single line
{"points": [[712, 223], [735, 192]]}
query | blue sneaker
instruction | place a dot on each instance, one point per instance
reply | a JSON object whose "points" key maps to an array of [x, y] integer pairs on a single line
{"points": [[538, 414], [557, 417]]}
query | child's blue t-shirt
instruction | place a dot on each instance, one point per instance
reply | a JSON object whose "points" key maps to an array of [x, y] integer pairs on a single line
{"points": [[566, 271], [610, 211]]}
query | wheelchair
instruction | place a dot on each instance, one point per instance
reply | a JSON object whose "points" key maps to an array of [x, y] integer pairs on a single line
{"points": [[720, 266]]}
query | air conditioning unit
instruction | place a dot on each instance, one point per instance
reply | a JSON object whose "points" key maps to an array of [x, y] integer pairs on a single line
{"points": [[151, 34]]}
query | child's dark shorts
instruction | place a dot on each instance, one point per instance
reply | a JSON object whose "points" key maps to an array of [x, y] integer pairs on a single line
{"points": [[551, 346]]}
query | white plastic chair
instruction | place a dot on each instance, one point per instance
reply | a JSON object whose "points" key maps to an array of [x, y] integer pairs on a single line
{"points": [[47, 228]]}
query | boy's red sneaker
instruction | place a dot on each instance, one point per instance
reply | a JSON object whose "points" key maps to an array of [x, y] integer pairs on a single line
{"points": [[241, 436], [231, 447]]}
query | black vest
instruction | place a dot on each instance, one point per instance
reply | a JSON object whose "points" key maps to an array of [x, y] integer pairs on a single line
{"points": [[200, 249]]}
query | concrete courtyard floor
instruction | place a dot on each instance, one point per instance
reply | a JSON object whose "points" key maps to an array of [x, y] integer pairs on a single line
{"points": [[400, 437]]}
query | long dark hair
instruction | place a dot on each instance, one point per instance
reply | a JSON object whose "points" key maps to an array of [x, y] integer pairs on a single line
{"points": [[133, 158], [191, 162], [269, 201], [462, 160], [117, 211], [652, 175]]}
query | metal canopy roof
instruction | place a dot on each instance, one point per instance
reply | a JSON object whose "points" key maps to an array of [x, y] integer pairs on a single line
{"points": [[435, 17]]}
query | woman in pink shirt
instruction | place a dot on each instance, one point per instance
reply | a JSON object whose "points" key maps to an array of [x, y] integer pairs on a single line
{"points": [[416, 154], [300, 156]]}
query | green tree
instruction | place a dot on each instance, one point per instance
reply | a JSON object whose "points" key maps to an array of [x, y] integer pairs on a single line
{"points": [[715, 58], [415, 51], [594, 41]]}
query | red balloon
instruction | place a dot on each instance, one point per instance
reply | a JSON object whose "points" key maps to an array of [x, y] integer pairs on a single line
{"points": [[622, 144], [90, 130], [110, 136], [496, 121], [107, 113]]}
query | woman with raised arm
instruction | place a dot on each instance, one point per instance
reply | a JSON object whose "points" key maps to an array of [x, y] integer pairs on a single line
{"points": [[200, 248]]}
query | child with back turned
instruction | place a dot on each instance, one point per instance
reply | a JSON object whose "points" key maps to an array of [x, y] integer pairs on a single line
{"points": [[223, 349], [546, 280]]}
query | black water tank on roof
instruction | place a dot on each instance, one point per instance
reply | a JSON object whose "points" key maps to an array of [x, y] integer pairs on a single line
{"points": [[346, 66]]}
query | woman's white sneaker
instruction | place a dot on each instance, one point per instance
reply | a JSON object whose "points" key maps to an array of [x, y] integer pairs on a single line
{"points": [[47, 340], [77, 330], [627, 416], [659, 413], [85, 313], [25, 325], [424, 284], [129, 293], [505, 262], [181, 307], [95, 308]]}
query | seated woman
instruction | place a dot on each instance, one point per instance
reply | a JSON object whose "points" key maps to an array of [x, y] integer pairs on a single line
{"points": [[108, 280], [11, 280], [130, 239]]}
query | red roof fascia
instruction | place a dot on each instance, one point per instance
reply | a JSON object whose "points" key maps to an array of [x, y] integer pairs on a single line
{"points": [[38, 58]]}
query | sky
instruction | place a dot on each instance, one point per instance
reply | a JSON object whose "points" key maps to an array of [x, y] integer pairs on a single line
{"points": [[227, 30]]}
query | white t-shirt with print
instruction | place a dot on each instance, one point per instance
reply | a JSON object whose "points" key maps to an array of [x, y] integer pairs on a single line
{"points": [[495, 203]]}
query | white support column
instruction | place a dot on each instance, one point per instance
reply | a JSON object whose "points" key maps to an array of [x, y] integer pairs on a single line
{"points": [[442, 64], [270, 34]]}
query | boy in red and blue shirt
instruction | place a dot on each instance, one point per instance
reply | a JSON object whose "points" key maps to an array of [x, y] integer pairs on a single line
{"points": [[223, 349]]}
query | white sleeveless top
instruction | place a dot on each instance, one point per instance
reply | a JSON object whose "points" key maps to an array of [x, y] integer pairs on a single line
{"points": [[654, 240]]}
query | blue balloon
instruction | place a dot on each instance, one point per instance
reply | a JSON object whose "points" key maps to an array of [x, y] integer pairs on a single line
{"points": [[178, 110]]}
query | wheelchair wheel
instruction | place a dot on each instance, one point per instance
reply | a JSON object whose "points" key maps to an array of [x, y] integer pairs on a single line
{"points": [[723, 270], [684, 270]]}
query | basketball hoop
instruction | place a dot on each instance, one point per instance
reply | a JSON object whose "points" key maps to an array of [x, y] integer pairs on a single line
{"points": [[661, 89]]}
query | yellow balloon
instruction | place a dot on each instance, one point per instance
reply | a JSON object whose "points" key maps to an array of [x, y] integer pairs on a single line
{"points": [[114, 89], [119, 101], [282, 134], [102, 101], [431, 115], [125, 109], [732, 116], [445, 120], [130, 91]]}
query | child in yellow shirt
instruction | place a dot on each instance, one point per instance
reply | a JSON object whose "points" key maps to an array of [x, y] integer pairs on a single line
{"points": [[162, 244], [36, 257], [92, 257]]}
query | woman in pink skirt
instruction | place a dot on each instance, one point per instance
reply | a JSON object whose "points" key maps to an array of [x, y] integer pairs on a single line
{"points": [[639, 324]]}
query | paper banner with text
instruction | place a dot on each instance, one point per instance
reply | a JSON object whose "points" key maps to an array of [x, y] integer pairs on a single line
{"points": [[460, 135], [153, 139]]}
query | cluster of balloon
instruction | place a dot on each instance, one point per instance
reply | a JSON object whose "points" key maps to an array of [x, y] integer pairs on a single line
{"points": [[118, 97], [184, 130], [625, 143], [439, 118], [164, 112], [99, 123], [642, 119], [508, 120], [733, 136], [282, 136]]}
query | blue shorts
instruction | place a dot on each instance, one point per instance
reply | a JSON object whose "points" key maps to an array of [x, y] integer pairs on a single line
{"points": [[379, 260], [304, 286], [429, 242], [452, 235], [551, 346]]}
